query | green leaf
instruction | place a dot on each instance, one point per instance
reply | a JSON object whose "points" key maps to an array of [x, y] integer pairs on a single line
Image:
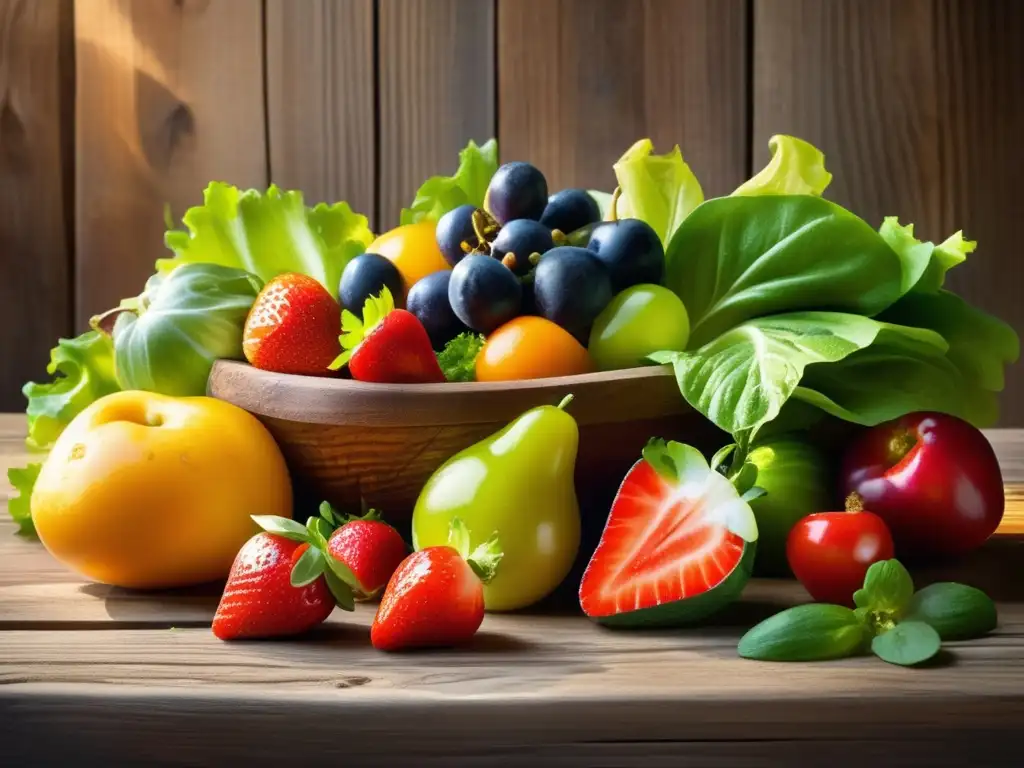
{"points": [[931, 262], [686, 469], [319, 531], [185, 322], [20, 507], [282, 526], [887, 587], [955, 611], [328, 513], [738, 258], [341, 591], [440, 194], [458, 358], [83, 371], [659, 189], [907, 644], [604, 202], [906, 369], [741, 380], [308, 568], [812, 632], [723, 453], [354, 328], [980, 345], [459, 537], [796, 168], [268, 234]]}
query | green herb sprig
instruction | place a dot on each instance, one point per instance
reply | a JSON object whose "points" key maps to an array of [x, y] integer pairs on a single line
{"points": [[891, 620]]}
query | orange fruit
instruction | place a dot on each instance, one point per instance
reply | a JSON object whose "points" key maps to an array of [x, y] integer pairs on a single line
{"points": [[413, 249], [147, 491], [531, 347]]}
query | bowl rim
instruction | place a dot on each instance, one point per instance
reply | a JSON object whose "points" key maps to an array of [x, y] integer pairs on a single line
{"points": [[600, 397]]}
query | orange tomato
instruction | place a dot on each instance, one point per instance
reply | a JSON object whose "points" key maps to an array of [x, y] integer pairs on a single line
{"points": [[413, 249], [531, 348]]}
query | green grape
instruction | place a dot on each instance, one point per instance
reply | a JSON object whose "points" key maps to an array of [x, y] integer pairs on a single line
{"points": [[640, 320]]}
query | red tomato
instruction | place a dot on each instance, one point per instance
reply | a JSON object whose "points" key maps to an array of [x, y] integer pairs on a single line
{"points": [[933, 478], [830, 552]]}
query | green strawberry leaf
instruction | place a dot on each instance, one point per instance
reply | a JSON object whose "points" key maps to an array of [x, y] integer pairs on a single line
{"points": [[718, 460], [319, 531], [907, 644], [282, 526], [888, 588], [308, 568], [20, 507], [355, 329], [341, 591], [327, 512]]}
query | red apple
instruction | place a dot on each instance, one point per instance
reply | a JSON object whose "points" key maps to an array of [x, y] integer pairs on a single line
{"points": [[933, 478]]}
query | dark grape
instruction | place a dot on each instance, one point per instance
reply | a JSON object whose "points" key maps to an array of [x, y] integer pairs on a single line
{"points": [[518, 240], [631, 251], [517, 191], [569, 210], [365, 276], [484, 293], [454, 229], [570, 289], [428, 300]]}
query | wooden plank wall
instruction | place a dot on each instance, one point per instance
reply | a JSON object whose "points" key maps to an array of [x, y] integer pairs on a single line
{"points": [[112, 109]]}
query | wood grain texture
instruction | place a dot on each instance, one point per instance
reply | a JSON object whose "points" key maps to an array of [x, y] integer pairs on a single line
{"points": [[436, 63], [170, 97], [36, 96], [914, 103], [581, 80], [320, 100]]}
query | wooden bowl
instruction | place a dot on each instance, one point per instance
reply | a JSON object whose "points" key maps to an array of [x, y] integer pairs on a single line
{"points": [[346, 441]]}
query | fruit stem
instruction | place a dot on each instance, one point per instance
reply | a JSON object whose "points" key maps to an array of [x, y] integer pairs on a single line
{"points": [[565, 401], [614, 208], [854, 502]]}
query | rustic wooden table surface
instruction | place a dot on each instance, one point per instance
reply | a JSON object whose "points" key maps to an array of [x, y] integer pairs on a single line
{"points": [[101, 676]]}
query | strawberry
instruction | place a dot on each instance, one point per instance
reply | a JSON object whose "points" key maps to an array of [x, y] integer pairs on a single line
{"points": [[370, 548], [387, 345], [436, 597], [292, 327], [281, 583]]}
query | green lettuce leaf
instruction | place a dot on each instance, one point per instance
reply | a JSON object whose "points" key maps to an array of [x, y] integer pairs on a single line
{"points": [[741, 380], [83, 371], [980, 345], [738, 258], [796, 168], [929, 262], [659, 189], [440, 194], [458, 358], [268, 234], [20, 508], [604, 202]]}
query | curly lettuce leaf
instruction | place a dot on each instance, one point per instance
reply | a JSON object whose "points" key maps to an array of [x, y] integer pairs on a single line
{"points": [[268, 234], [458, 358], [659, 189], [929, 262], [741, 380], [23, 480], [83, 371], [440, 194], [796, 168]]}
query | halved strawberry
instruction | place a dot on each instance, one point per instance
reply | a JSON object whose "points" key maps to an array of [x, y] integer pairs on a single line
{"points": [[387, 345], [678, 544]]}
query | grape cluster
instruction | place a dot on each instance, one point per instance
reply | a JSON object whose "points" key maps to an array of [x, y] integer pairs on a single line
{"points": [[528, 253]]}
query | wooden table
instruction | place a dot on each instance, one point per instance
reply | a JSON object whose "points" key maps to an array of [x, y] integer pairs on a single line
{"points": [[92, 675]]}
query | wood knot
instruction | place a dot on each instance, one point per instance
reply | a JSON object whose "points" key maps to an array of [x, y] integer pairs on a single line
{"points": [[353, 681]]}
